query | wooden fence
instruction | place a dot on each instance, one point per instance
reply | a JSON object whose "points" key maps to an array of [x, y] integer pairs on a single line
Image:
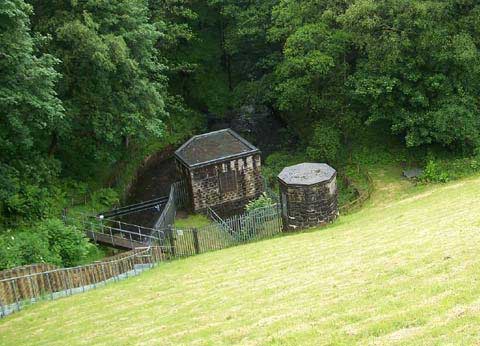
{"points": [[26, 270], [23, 286], [18, 291], [363, 195]]}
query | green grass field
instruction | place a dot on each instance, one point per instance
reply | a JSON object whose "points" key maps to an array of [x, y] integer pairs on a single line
{"points": [[405, 270]]}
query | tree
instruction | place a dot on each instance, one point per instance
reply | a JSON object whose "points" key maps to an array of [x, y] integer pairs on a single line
{"points": [[29, 109], [311, 76], [418, 69], [113, 85], [174, 18], [29, 104]]}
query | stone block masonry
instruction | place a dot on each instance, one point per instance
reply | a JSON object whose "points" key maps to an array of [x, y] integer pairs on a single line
{"points": [[222, 171], [309, 196], [242, 183]]}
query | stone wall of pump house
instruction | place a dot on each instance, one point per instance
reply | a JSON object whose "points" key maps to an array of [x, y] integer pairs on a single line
{"points": [[310, 205], [205, 189]]}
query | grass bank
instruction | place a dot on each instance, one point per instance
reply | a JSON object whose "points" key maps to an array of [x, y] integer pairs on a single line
{"points": [[402, 271]]}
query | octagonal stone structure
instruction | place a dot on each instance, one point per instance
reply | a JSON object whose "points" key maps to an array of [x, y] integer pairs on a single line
{"points": [[309, 195]]}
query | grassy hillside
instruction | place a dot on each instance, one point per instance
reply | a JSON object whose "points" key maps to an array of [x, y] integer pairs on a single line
{"points": [[405, 270]]}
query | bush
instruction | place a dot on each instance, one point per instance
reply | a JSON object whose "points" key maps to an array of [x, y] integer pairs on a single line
{"points": [[24, 199], [277, 161], [440, 169], [433, 173], [28, 203], [325, 143], [19, 248], [261, 202], [48, 241], [66, 242], [104, 198]]}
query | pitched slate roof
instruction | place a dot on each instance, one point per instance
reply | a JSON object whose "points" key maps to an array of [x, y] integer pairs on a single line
{"points": [[214, 147], [306, 174]]}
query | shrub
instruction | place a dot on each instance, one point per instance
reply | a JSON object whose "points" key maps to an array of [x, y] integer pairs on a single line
{"points": [[28, 192], [28, 203], [104, 198], [25, 247], [325, 143], [433, 173], [447, 166], [261, 202], [47, 241], [66, 242]]}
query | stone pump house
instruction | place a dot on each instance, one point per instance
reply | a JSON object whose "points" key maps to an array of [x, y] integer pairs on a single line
{"points": [[309, 195], [222, 171]]}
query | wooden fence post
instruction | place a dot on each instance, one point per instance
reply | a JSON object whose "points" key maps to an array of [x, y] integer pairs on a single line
{"points": [[104, 275], [82, 279], [32, 288], [195, 241], [15, 294], [133, 263], [49, 284], [172, 242], [2, 309], [64, 282]]}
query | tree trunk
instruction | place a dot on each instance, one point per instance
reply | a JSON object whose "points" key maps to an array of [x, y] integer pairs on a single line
{"points": [[53, 143]]}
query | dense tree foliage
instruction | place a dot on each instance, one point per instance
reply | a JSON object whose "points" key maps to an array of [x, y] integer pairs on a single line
{"points": [[412, 64], [419, 68], [82, 85], [29, 109], [88, 87], [113, 85]]}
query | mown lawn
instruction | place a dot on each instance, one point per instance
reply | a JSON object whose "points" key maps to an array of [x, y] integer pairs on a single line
{"points": [[191, 221], [403, 271]]}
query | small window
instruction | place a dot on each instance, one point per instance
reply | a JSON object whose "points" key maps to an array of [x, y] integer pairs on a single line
{"points": [[227, 181]]}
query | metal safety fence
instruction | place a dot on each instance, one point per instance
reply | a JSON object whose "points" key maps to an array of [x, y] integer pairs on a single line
{"points": [[250, 226]]}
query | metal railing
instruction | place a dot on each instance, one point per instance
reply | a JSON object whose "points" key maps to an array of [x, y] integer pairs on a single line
{"points": [[19, 291], [213, 215], [114, 232], [167, 218], [26, 270], [270, 193], [176, 199], [135, 208], [239, 229]]}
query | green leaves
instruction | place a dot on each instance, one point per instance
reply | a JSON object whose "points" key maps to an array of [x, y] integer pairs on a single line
{"points": [[325, 143], [413, 64], [27, 95], [417, 70], [29, 111], [261, 202], [113, 81], [311, 75], [87, 83], [49, 241]]}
